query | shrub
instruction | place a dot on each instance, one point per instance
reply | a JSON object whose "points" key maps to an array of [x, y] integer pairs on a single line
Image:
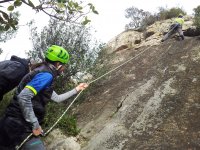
{"points": [[150, 19], [67, 124], [165, 13]]}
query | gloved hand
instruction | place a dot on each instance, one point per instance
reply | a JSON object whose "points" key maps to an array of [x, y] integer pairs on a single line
{"points": [[81, 86]]}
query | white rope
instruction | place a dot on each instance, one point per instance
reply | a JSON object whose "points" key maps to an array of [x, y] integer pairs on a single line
{"points": [[18, 147], [63, 113]]}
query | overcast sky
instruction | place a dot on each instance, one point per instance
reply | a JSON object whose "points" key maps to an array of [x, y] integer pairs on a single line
{"points": [[109, 23]]}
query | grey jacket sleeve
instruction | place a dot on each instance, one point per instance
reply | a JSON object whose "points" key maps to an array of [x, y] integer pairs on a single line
{"points": [[62, 97], [24, 99]]}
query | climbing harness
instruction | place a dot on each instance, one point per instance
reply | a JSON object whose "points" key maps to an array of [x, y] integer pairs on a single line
{"points": [[25, 140]]}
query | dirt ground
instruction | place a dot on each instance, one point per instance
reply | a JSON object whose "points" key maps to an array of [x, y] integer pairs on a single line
{"points": [[150, 103]]}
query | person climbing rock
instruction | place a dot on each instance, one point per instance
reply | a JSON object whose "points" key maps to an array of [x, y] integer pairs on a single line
{"points": [[25, 113], [11, 73], [176, 27]]}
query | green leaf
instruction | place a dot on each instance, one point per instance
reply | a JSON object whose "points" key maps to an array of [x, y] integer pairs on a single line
{"points": [[70, 12], [70, 4], [17, 3], [79, 8], [93, 9], [7, 27], [10, 8], [1, 19], [61, 5], [13, 26], [69, 8], [59, 11], [31, 3], [96, 12], [76, 5], [86, 21], [61, 1], [90, 4], [5, 15], [13, 22], [80, 11]]}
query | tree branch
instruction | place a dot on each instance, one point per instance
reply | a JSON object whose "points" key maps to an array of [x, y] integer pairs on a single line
{"points": [[5, 1]]}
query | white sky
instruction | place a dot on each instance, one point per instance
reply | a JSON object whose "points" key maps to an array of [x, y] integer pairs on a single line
{"points": [[109, 23]]}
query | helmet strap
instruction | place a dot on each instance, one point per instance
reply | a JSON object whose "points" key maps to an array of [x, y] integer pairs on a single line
{"points": [[58, 70], [59, 67]]}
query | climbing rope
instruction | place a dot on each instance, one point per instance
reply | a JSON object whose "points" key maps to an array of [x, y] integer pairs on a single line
{"points": [[119, 66], [18, 147]]}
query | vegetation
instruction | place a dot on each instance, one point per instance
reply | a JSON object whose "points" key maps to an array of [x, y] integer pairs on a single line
{"points": [[140, 19], [7, 33], [137, 16], [66, 10], [67, 124], [83, 51], [99, 68], [66, 28], [165, 13], [197, 17], [75, 38]]}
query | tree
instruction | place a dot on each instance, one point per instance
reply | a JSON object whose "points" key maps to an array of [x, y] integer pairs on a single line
{"points": [[75, 38], [197, 17], [137, 16], [66, 10]]}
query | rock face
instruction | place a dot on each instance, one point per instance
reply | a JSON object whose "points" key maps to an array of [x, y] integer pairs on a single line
{"points": [[151, 102], [128, 39], [57, 141], [151, 36]]}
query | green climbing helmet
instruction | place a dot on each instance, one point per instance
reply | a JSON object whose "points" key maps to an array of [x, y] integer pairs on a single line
{"points": [[57, 53]]}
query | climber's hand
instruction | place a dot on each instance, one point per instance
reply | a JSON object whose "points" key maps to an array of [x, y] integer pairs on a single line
{"points": [[81, 86], [37, 131]]}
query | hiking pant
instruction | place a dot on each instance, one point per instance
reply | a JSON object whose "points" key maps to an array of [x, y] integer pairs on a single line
{"points": [[173, 30], [34, 143], [13, 132]]}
